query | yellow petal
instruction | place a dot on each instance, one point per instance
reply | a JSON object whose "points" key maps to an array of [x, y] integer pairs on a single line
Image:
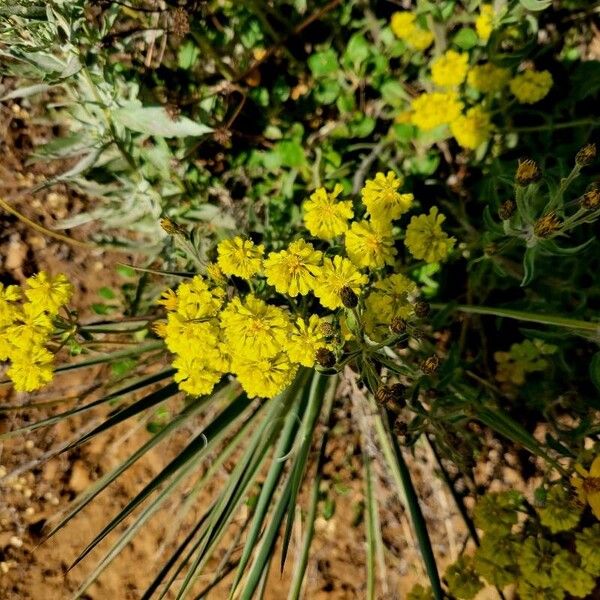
{"points": [[595, 468], [594, 502]]}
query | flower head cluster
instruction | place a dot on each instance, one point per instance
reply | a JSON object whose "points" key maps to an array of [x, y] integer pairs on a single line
{"points": [[463, 94], [425, 238], [450, 69], [286, 315], [531, 86], [405, 27], [26, 328]]}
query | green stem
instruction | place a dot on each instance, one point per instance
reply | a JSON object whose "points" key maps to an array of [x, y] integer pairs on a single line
{"points": [[549, 126], [528, 316]]}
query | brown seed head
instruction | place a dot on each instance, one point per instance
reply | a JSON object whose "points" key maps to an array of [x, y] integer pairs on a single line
{"points": [[422, 309], [430, 365], [398, 326], [326, 358], [507, 210], [349, 297]]}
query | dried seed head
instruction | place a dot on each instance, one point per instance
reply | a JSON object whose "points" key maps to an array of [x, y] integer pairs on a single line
{"points": [[586, 156], [400, 427], [397, 391], [398, 325], [171, 227], [383, 395], [528, 172], [507, 210], [546, 225], [430, 365], [181, 23], [328, 330], [422, 309], [349, 297], [591, 199], [326, 358]]}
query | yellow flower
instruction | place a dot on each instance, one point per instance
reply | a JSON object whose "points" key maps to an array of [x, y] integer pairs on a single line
{"points": [[254, 329], [194, 374], [214, 273], [335, 274], [195, 300], [382, 198], [425, 238], [240, 257], [370, 244], [48, 293], [293, 271], [531, 86], [450, 69], [404, 27], [473, 129], [264, 377], [324, 216], [32, 327], [305, 339], [433, 109], [391, 297], [488, 78], [168, 299], [31, 368], [181, 334], [484, 23], [587, 486], [8, 308]]}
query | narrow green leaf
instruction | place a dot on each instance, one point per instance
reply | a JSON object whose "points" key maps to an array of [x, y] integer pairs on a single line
{"points": [[154, 120], [133, 387], [313, 410], [371, 527], [199, 446], [401, 475], [135, 408], [536, 5], [528, 265], [101, 484], [595, 370], [302, 562], [286, 441]]}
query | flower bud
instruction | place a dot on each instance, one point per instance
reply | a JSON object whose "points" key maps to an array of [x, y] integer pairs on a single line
{"points": [[328, 330], [586, 155], [349, 297], [397, 391], [400, 428], [507, 210], [422, 309], [528, 172], [591, 199], [326, 358], [383, 395], [430, 365], [398, 325], [546, 225]]}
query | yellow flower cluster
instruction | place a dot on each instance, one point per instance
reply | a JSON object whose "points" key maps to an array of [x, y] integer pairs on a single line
{"points": [[259, 343], [446, 105], [432, 109], [531, 86], [488, 78], [26, 328], [405, 27], [450, 69], [214, 329], [484, 23]]}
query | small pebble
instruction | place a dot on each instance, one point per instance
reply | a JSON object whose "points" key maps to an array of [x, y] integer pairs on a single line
{"points": [[16, 541]]}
